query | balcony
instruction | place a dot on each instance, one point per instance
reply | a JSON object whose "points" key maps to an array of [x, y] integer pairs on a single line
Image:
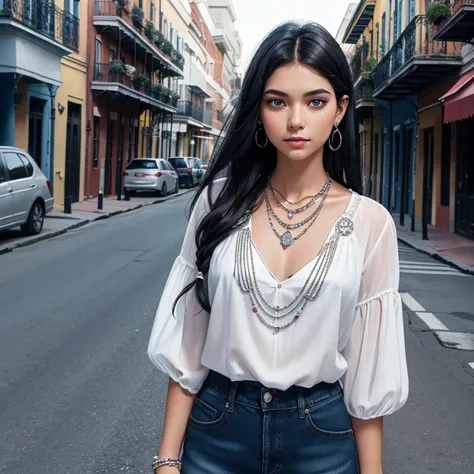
{"points": [[192, 113], [110, 78], [207, 117], [35, 35], [414, 61], [126, 27], [460, 25], [364, 99], [361, 18], [45, 18]]}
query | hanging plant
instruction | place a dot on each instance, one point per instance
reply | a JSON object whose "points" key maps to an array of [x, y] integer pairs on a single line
{"points": [[120, 6], [116, 67], [437, 12], [167, 47], [149, 30], [157, 90], [138, 80], [130, 70], [158, 39], [174, 99], [137, 17]]}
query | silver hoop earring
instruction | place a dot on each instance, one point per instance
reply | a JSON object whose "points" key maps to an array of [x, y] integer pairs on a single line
{"points": [[331, 138], [256, 137]]}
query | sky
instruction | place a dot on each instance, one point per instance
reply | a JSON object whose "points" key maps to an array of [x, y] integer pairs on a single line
{"points": [[255, 18]]}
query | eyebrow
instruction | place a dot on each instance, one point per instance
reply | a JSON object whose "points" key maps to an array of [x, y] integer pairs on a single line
{"points": [[306, 94]]}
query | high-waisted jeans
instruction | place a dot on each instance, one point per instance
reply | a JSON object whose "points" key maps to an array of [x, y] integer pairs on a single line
{"points": [[245, 428]]}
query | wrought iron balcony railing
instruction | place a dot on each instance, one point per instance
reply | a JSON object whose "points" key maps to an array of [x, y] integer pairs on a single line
{"points": [[187, 108], [46, 18], [111, 73], [363, 92], [415, 44]]}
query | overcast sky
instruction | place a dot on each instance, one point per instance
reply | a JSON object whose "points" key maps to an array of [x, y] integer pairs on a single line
{"points": [[255, 18]]}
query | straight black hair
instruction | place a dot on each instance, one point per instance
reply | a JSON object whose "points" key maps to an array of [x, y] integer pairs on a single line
{"points": [[248, 167]]}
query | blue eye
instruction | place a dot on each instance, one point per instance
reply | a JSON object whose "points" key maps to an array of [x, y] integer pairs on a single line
{"points": [[276, 102], [317, 103]]}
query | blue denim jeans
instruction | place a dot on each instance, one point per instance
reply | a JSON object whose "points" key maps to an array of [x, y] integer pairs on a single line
{"points": [[245, 428]]}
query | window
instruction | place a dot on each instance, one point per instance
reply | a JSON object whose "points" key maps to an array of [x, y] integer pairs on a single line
{"points": [[171, 33], [3, 176], [160, 26], [410, 10], [165, 33], [112, 55], [142, 164], [27, 163], [98, 58], [95, 155], [15, 166], [384, 34], [152, 12], [161, 166]]}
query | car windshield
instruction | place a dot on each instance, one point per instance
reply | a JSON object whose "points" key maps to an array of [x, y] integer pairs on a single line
{"points": [[178, 162], [140, 164]]}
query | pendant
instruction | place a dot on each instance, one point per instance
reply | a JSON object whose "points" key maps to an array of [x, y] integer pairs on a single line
{"points": [[290, 215], [276, 331], [286, 238]]}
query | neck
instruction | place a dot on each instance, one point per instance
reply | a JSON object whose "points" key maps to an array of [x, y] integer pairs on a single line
{"points": [[298, 179]]}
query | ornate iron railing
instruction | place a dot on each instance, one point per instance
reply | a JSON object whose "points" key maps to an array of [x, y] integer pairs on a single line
{"points": [[415, 41], [364, 91], [186, 107], [46, 18], [107, 73]]}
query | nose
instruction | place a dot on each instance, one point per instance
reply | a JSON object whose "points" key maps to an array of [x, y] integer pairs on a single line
{"points": [[295, 120]]}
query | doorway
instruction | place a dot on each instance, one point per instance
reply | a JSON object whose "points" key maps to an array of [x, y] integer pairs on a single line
{"points": [[464, 220], [72, 178], [108, 159], [35, 130]]}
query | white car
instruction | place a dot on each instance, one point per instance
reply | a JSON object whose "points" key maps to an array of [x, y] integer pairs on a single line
{"points": [[150, 174], [25, 193]]}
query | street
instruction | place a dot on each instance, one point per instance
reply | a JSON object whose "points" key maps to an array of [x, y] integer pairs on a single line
{"points": [[78, 394]]}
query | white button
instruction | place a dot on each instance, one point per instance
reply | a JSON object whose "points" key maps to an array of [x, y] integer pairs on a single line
{"points": [[279, 285], [267, 397]]}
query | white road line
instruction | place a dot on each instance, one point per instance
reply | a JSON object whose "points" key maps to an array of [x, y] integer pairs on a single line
{"points": [[424, 264], [411, 303], [428, 318], [433, 272], [471, 365]]}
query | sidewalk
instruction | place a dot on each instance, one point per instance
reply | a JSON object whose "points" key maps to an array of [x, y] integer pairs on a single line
{"points": [[442, 244], [84, 212]]}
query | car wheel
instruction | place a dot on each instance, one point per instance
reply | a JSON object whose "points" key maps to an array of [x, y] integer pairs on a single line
{"points": [[164, 190], [176, 188], [34, 224]]}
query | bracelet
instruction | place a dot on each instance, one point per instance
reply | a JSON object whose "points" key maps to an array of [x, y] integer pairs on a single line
{"points": [[157, 462]]}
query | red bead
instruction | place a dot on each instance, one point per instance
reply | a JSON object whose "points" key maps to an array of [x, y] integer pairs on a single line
{"points": [[255, 309], [297, 315]]}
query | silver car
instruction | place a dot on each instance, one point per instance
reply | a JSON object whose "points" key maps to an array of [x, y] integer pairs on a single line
{"points": [[150, 174], [25, 193]]}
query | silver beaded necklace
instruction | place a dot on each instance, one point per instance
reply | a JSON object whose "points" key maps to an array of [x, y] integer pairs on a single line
{"points": [[274, 317]]}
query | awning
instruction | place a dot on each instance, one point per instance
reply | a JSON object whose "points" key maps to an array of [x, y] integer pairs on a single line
{"points": [[459, 100]]}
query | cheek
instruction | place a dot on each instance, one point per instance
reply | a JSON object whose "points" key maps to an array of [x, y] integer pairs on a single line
{"points": [[272, 122]]}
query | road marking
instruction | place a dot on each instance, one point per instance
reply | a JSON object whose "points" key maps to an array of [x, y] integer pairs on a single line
{"points": [[472, 365], [428, 268], [428, 318], [432, 272]]}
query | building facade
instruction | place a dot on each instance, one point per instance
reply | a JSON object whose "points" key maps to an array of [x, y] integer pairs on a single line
{"points": [[403, 66], [35, 36]]}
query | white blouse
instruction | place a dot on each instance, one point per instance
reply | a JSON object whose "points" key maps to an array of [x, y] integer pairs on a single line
{"points": [[352, 332]]}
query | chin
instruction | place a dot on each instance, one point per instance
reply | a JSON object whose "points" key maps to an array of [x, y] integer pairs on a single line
{"points": [[297, 155]]}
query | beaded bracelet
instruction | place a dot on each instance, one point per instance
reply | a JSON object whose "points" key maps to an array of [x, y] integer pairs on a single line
{"points": [[157, 462]]}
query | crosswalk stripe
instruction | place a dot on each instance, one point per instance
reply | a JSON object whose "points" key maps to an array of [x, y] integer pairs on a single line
{"points": [[426, 264], [414, 266], [472, 365], [434, 272]]}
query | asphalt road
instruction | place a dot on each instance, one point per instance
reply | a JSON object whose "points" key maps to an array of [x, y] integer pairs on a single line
{"points": [[78, 394]]}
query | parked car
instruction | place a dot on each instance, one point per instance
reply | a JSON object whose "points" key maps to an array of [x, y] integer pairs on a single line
{"points": [[25, 193], [150, 174], [189, 170]]}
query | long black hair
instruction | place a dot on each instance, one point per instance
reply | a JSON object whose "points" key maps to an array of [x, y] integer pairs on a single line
{"points": [[247, 166]]}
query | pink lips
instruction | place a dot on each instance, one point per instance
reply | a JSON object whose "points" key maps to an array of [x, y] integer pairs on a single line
{"points": [[297, 142]]}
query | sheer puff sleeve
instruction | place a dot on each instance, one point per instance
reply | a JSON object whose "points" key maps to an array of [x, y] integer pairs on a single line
{"points": [[177, 341], [376, 381]]}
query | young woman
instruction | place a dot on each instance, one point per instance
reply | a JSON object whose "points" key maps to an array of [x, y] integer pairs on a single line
{"points": [[281, 325]]}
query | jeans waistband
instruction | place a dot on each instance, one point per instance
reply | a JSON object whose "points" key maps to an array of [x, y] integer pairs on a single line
{"points": [[256, 395]]}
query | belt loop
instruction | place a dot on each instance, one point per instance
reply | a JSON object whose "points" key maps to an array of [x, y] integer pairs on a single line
{"points": [[232, 394], [301, 403]]}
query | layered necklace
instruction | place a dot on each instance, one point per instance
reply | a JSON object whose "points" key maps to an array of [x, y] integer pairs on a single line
{"points": [[275, 317]]}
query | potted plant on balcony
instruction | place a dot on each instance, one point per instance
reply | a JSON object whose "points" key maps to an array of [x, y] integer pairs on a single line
{"points": [[120, 6], [437, 13], [174, 99], [177, 58], [138, 80], [158, 39], [137, 17], [367, 67], [150, 30], [167, 47], [157, 90], [116, 68], [166, 95]]}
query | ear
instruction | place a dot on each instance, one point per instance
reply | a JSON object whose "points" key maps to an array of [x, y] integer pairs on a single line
{"points": [[341, 108]]}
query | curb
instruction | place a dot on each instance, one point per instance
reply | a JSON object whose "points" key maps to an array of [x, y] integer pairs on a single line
{"points": [[432, 253], [83, 222]]}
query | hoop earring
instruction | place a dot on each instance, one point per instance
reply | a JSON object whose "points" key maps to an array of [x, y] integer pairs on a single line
{"points": [[256, 137], [331, 138]]}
